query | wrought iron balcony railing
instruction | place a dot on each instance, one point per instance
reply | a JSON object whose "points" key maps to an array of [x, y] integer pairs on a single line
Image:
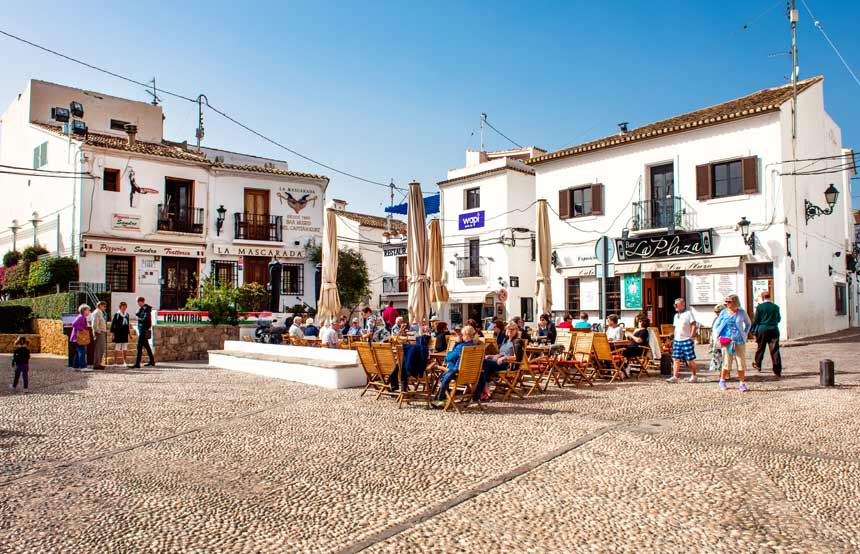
{"points": [[395, 285], [661, 213], [180, 220], [474, 266], [258, 227]]}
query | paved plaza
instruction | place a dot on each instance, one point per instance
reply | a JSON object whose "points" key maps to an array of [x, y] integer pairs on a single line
{"points": [[191, 459]]}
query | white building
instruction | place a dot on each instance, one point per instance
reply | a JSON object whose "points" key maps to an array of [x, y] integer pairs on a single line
{"points": [[488, 224], [669, 196], [146, 216]]}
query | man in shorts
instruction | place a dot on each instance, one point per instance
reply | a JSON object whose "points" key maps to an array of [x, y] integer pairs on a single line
{"points": [[683, 347]]}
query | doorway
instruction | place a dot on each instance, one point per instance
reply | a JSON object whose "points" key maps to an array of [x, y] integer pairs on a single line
{"points": [[759, 279], [256, 270], [666, 290], [662, 196], [257, 215], [474, 311], [179, 282]]}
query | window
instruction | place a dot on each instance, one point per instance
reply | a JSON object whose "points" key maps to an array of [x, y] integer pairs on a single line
{"points": [[117, 125], [613, 296], [580, 201], [572, 289], [226, 273], [110, 180], [473, 198], [841, 296], [727, 178], [527, 308], [293, 279], [40, 155], [119, 273]]}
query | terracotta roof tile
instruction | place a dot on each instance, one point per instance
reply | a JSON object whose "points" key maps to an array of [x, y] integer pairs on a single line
{"points": [[373, 221], [757, 103], [270, 170], [527, 171]]}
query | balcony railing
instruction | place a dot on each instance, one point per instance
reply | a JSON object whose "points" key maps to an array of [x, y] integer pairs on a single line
{"points": [[395, 285], [258, 227], [180, 220], [662, 213], [471, 267]]}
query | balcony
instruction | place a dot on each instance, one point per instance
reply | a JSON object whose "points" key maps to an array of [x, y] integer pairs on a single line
{"points": [[395, 285], [180, 220], [663, 213], [258, 227], [471, 267]]}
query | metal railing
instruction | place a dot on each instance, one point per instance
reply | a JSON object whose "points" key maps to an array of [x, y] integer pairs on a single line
{"points": [[662, 213], [471, 267], [258, 227], [394, 285], [180, 220], [86, 291]]}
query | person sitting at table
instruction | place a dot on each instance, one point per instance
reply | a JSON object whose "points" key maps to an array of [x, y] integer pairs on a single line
{"points": [[638, 339], [399, 328], [343, 326], [311, 330], [380, 334], [567, 323], [583, 322], [328, 336], [474, 325], [414, 327], [354, 329], [441, 342], [546, 328], [521, 325], [511, 350], [614, 332], [499, 332], [453, 363], [296, 329]]}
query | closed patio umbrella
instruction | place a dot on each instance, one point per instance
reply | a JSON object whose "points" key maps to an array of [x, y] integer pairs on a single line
{"points": [[329, 300], [416, 256], [438, 290], [543, 286]]}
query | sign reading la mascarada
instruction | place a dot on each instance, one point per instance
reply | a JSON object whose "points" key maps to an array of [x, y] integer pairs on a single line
{"points": [[682, 244], [141, 249], [267, 251], [399, 251]]}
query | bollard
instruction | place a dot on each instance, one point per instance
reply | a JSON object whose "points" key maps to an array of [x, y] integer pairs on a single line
{"points": [[827, 373]]}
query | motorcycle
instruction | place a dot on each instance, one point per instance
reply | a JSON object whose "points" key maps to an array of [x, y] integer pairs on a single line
{"points": [[268, 331]]}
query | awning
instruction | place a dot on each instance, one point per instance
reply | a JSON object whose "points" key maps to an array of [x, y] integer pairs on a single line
{"points": [[431, 206], [476, 297], [580, 271], [692, 264], [627, 268]]}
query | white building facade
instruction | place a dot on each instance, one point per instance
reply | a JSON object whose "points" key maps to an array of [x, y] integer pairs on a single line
{"points": [[149, 217]]}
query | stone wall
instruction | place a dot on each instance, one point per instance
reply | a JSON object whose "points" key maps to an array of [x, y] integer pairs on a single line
{"points": [[190, 342], [51, 337], [7, 343]]}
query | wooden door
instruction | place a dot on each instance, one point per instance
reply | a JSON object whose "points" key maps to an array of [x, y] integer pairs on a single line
{"points": [[256, 214], [257, 201], [662, 195], [256, 270], [179, 276], [402, 273], [759, 278]]}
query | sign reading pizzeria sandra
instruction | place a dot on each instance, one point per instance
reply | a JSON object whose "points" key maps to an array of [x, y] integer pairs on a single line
{"points": [[141, 249]]}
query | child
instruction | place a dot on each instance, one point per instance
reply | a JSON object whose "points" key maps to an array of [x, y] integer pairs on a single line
{"points": [[21, 363]]}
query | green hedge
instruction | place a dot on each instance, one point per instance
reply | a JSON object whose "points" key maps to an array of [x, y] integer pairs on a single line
{"points": [[15, 319], [53, 306]]}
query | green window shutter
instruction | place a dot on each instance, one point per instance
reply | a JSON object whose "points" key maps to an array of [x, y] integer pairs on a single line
{"points": [[36, 158], [44, 154]]}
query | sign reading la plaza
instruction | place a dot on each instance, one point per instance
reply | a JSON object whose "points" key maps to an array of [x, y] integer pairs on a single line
{"points": [[266, 251]]}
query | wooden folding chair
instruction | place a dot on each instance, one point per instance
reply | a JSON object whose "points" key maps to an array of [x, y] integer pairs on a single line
{"points": [[508, 379], [462, 388], [639, 364], [387, 363], [577, 369], [561, 352], [247, 338], [422, 387], [607, 362], [371, 370]]}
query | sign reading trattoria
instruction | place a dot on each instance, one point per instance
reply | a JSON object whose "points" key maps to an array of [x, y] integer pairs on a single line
{"points": [[399, 251], [143, 249], [471, 220], [266, 251], [681, 244]]}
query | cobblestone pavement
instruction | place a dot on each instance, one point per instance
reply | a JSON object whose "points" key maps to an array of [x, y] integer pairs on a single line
{"points": [[190, 459]]}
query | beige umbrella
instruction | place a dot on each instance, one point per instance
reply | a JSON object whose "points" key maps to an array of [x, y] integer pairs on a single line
{"points": [[543, 287], [416, 256], [329, 301], [438, 290]]}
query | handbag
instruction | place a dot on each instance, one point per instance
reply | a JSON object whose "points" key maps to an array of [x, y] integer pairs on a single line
{"points": [[725, 341], [83, 338]]}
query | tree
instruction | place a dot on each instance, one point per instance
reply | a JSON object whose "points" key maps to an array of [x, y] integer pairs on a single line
{"points": [[11, 258], [219, 300], [32, 253], [353, 282]]}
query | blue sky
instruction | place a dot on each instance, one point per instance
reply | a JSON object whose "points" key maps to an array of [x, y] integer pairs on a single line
{"points": [[395, 89]]}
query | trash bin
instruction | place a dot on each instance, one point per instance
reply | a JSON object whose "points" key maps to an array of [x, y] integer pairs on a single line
{"points": [[665, 364]]}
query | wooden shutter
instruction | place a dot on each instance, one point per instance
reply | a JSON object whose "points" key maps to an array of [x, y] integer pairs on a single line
{"points": [[564, 204], [703, 182], [750, 175], [597, 199]]}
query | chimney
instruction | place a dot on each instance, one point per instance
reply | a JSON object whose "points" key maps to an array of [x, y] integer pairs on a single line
{"points": [[622, 127], [338, 204], [131, 131]]}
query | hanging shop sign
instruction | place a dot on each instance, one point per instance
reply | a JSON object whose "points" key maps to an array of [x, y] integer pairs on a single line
{"points": [[399, 251], [124, 222], [471, 220], [633, 291], [681, 244], [265, 251], [143, 249]]}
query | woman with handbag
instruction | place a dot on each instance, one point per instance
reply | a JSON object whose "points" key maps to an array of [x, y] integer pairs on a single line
{"points": [[732, 327], [80, 338]]}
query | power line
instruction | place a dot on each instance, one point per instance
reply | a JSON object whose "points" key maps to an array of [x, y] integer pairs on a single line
{"points": [[43, 170], [501, 133], [832, 45], [30, 174], [756, 19]]}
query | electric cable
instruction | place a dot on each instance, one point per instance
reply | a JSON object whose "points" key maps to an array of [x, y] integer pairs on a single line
{"points": [[501, 133], [830, 42]]}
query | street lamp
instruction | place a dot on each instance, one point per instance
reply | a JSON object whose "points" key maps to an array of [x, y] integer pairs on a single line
{"points": [[749, 238], [35, 221], [15, 228], [219, 222], [830, 196]]}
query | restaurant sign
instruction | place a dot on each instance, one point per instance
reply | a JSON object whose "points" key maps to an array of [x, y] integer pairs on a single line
{"points": [[682, 244], [187, 317], [124, 222], [399, 251], [265, 251], [143, 249]]}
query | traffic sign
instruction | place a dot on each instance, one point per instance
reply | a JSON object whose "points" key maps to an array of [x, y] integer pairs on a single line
{"points": [[598, 249]]}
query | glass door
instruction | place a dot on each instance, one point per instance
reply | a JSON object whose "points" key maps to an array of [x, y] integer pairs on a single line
{"points": [[662, 196]]}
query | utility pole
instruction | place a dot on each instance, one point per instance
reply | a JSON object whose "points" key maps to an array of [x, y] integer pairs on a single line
{"points": [[388, 223], [154, 93], [199, 134], [793, 17], [483, 119]]}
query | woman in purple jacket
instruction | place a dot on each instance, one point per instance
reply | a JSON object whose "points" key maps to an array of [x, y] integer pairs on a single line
{"points": [[79, 327]]}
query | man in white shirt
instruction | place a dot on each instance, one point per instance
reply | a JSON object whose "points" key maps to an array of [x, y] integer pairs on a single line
{"points": [[296, 329], [328, 336], [614, 332], [683, 347]]}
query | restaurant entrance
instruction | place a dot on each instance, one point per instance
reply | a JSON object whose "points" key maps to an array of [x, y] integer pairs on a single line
{"points": [[659, 294]]}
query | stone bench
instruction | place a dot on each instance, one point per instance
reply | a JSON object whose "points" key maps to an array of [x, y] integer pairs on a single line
{"points": [[324, 367]]}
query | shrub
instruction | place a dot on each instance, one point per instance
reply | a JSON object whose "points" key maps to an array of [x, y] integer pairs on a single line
{"points": [[53, 306], [15, 319], [32, 253], [11, 258], [16, 279], [45, 275], [219, 300], [253, 297]]}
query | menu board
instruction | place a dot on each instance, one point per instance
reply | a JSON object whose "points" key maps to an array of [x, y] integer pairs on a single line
{"points": [[711, 288], [724, 285]]}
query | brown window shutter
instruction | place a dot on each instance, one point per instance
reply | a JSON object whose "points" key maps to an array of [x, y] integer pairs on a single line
{"points": [[703, 182], [750, 174], [597, 199], [564, 204]]}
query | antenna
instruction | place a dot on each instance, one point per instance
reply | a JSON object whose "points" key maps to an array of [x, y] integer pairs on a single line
{"points": [[199, 133], [793, 16], [483, 119], [388, 223], [153, 93]]}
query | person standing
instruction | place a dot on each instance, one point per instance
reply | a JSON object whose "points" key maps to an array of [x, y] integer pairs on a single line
{"points": [[732, 327], [389, 315], [765, 327], [144, 332], [99, 335], [716, 349], [80, 338], [21, 363], [119, 328], [683, 348]]}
